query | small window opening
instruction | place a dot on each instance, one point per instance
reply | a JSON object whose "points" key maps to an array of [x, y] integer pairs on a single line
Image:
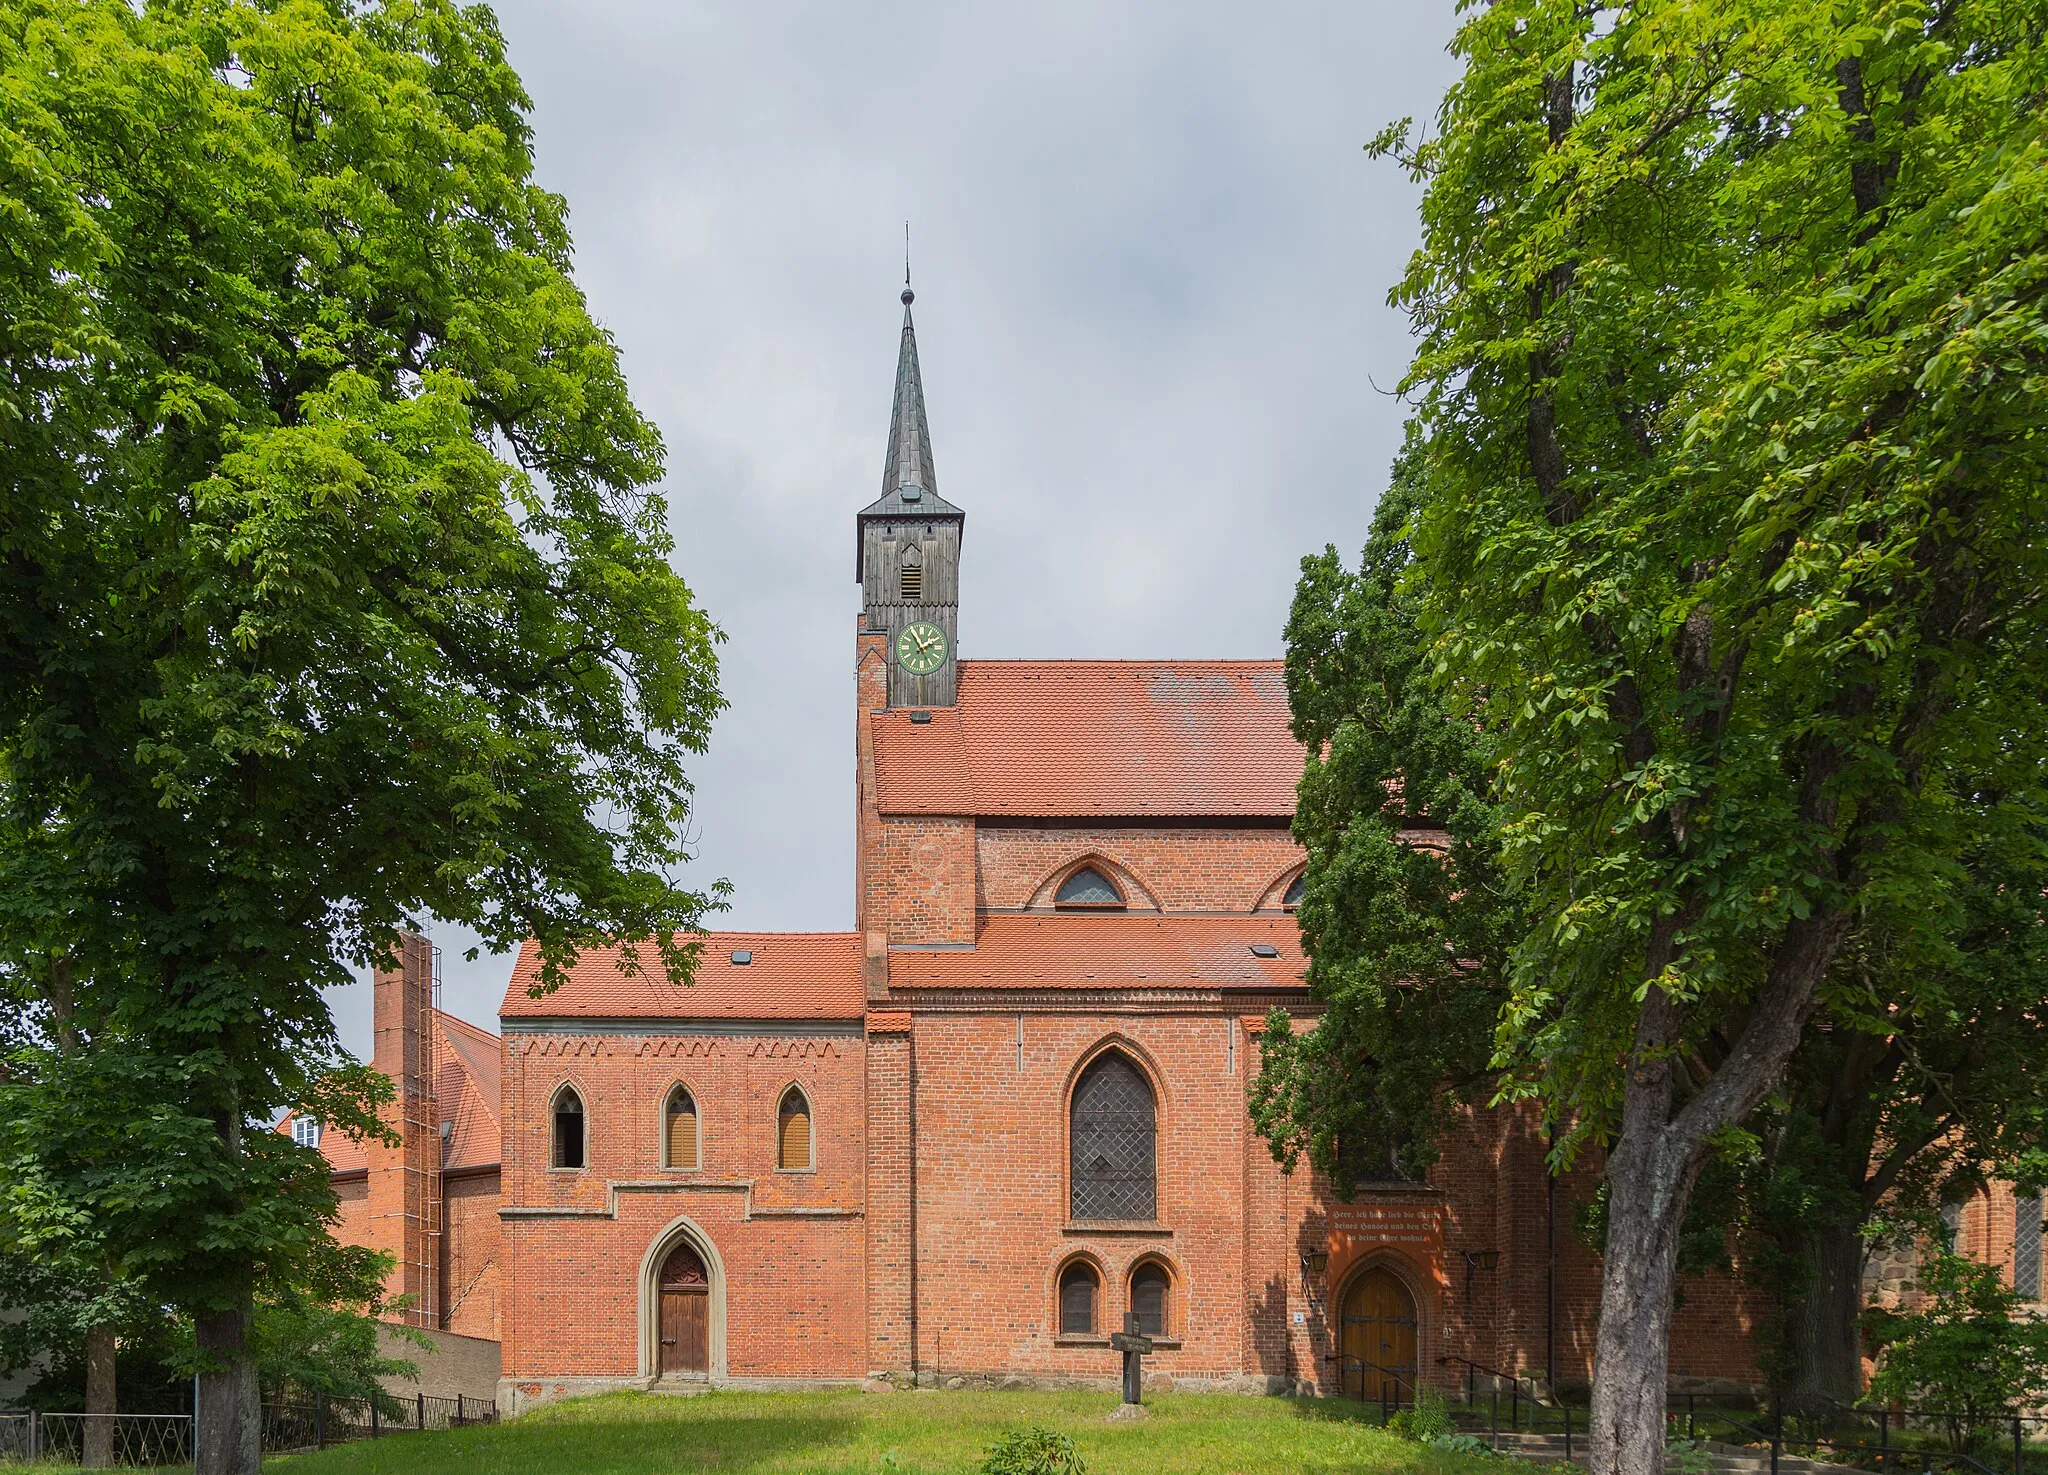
{"points": [[913, 585], [679, 1137], [1151, 1289], [1087, 887], [568, 1130], [1292, 898], [1080, 1291], [306, 1131], [793, 1131]]}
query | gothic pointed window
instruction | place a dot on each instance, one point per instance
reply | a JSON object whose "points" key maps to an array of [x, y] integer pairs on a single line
{"points": [[679, 1130], [793, 1132], [1114, 1133], [1292, 897], [1080, 1294], [1088, 887], [569, 1129]]}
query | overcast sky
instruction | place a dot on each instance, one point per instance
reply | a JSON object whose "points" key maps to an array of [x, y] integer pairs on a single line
{"points": [[1151, 262]]}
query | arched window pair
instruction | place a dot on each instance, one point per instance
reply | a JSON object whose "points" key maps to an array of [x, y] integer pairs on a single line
{"points": [[681, 1138], [681, 1143], [1150, 1299]]}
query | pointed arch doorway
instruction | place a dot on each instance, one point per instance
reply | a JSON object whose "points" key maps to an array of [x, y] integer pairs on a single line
{"points": [[1379, 1342], [684, 1291]]}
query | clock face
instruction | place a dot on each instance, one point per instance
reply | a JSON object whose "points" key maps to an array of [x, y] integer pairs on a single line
{"points": [[921, 648]]}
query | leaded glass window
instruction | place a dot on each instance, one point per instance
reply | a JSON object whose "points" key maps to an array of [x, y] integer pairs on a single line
{"points": [[1078, 1287], [1295, 890], [1114, 1143], [1087, 887], [2026, 1245]]}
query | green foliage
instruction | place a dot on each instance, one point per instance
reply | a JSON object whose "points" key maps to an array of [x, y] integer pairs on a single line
{"points": [[1969, 1350], [1034, 1451], [334, 594], [1725, 550], [1407, 943], [1426, 1421], [305, 1349]]}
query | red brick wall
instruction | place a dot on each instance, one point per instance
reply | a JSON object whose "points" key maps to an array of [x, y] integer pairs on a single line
{"points": [[472, 1279], [1178, 869], [992, 1204], [791, 1243], [921, 882]]}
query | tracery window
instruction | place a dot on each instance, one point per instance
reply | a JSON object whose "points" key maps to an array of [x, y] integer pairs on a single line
{"points": [[679, 1130], [2026, 1245], [793, 1131], [1088, 887], [1080, 1294], [1114, 1132], [1151, 1294], [569, 1129]]}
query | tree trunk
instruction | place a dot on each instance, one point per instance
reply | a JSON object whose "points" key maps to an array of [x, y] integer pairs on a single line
{"points": [[1649, 1185], [97, 1445], [228, 1437], [1821, 1333]]}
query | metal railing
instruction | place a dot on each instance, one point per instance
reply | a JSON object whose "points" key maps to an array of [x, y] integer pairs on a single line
{"points": [[143, 1440], [1391, 1383]]}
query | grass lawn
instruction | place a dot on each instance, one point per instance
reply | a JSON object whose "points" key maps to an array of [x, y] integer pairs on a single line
{"points": [[924, 1433]]}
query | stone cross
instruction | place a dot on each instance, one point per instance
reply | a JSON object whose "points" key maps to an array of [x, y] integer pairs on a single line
{"points": [[1134, 1345]]}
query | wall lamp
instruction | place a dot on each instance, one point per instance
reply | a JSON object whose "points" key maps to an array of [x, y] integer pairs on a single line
{"points": [[1478, 1260], [1313, 1265]]}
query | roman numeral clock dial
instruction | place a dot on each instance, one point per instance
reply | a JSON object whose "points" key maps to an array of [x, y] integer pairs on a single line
{"points": [[921, 648]]}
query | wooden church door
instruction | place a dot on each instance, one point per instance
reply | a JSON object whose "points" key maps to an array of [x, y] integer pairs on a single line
{"points": [[685, 1314], [1379, 1338]]}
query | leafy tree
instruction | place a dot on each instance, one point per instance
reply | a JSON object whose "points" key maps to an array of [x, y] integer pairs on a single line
{"points": [[1407, 941], [1731, 377], [332, 593], [1964, 1351]]}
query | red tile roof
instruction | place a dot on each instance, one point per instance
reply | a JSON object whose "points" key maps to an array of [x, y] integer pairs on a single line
{"points": [[466, 1092], [794, 975], [1069, 738], [1076, 951], [466, 1073]]}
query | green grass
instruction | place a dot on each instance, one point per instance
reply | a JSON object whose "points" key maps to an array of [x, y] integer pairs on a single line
{"points": [[922, 1433]]}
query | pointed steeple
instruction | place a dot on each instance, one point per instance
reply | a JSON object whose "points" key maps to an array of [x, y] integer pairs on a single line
{"points": [[910, 485], [909, 464]]}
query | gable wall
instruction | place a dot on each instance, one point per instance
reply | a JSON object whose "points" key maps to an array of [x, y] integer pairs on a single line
{"points": [[1182, 868]]}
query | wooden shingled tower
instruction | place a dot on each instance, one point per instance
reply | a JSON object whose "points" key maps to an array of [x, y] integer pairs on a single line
{"points": [[908, 554]]}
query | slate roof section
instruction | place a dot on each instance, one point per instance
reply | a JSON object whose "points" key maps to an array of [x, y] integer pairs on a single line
{"points": [[793, 975], [1108, 952], [1067, 739]]}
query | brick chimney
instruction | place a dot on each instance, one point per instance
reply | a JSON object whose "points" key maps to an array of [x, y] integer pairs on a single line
{"points": [[405, 1180]]}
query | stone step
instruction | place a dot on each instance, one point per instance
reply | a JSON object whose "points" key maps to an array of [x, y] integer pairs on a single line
{"points": [[1713, 1456]]}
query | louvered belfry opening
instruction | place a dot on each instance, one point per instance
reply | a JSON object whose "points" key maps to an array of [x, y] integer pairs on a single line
{"points": [[912, 572], [1115, 1141]]}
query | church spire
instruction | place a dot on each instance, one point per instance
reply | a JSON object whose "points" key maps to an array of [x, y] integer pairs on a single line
{"points": [[909, 471], [910, 487]]}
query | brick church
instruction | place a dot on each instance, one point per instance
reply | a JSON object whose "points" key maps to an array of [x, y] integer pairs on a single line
{"points": [[963, 1141]]}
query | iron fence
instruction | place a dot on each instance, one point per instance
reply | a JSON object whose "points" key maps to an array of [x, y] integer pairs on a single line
{"points": [[152, 1440]]}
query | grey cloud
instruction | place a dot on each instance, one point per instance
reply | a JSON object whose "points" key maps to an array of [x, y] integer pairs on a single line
{"points": [[1151, 264]]}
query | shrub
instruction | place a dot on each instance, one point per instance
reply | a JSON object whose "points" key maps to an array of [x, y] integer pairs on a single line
{"points": [[1964, 1352], [1427, 1421], [1034, 1451]]}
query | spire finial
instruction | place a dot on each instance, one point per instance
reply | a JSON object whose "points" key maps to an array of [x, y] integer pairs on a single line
{"points": [[908, 295]]}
